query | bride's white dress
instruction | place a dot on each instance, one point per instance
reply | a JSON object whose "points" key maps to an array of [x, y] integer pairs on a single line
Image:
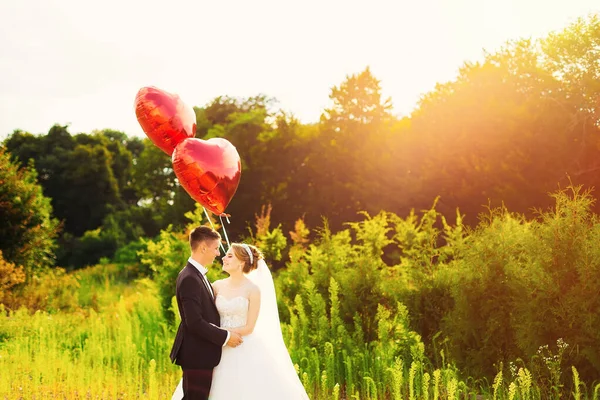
{"points": [[249, 371]]}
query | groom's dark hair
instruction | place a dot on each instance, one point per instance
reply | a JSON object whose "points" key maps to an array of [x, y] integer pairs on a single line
{"points": [[202, 234]]}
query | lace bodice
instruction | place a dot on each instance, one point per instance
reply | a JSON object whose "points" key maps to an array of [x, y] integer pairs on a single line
{"points": [[233, 312]]}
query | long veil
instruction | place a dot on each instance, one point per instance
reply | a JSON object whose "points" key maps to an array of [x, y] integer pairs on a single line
{"points": [[268, 326]]}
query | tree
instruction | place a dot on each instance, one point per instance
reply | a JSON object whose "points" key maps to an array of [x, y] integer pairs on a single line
{"points": [[91, 188], [77, 173], [121, 162], [346, 158], [504, 132], [158, 190], [357, 101], [571, 56], [91, 182], [245, 123], [284, 172], [28, 230]]}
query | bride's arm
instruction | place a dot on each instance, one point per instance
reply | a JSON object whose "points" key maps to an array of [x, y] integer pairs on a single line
{"points": [[253, 309]]}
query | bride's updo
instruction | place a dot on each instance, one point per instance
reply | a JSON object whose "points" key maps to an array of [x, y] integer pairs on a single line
{"points": [[241, 252]]}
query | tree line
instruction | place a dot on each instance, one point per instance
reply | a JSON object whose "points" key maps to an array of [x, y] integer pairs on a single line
{"points": [[508, 130]]}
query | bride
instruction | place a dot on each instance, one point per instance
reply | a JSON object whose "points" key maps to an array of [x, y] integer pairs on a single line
{"points": [[259, 368]]}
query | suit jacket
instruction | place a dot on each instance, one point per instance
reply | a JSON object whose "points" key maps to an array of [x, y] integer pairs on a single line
{"points": [[198, 344]]}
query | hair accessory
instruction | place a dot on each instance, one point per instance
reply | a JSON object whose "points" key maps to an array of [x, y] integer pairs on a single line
{"points": [[247, 248]]}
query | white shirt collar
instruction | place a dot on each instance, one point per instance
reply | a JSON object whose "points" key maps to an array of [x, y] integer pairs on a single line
{"points": [[198, 266]]}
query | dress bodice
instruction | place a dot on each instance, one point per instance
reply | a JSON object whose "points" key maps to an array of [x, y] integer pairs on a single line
{"points": [[233, 312]]}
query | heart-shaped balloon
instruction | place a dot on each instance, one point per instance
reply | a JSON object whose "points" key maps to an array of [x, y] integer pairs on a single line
{"points": [[164, 117], [209, 170]]}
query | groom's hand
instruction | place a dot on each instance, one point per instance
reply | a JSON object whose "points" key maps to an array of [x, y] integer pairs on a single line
{"points": [[235, 339]]}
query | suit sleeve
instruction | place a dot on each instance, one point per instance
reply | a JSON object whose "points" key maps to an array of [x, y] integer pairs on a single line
{"points": [[191, 302]]}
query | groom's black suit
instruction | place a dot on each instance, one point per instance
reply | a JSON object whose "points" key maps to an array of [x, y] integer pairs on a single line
{"points": [[198, 344]]}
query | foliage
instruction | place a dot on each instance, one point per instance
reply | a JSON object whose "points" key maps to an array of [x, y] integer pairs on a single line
{"points": [[524, 283], [106, 188], [271, 242], [166, 256], [164, 201], [76, 172], [117, 346], [54, 289], [119, 350], [128, 256], [28, 229], [503, 132], [118, 230], [483, 298], [10, 276]]}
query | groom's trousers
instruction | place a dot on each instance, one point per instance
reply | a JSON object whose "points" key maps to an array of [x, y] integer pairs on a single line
{"points": [[196, 383]]}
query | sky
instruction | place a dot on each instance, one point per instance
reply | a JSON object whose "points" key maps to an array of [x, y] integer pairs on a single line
{"points": [[81, 62]]}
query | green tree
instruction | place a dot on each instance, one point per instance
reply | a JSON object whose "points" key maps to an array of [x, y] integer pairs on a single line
{"points": [[500, 134], [357, 101], [92, 188], [28, 231], [90, 179], [284, 172], [346, 158], [79, 173], [571, 55], [117, 143], [159, 192], [243, 122]]}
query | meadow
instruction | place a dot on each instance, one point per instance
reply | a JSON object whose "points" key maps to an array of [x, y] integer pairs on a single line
{"points": [[112, 345], [105, 331]]}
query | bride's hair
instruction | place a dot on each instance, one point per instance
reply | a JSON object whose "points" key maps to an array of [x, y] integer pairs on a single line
{"points": [[241, 253]]}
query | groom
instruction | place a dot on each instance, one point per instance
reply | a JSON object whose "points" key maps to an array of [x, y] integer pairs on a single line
{"points": [[198, 344]]}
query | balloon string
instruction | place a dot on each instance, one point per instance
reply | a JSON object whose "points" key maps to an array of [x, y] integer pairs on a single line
{"points": [[224, 231], [212, 226]]}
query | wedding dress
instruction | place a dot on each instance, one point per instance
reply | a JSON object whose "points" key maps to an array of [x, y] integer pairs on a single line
{"points": [[260, 368]]}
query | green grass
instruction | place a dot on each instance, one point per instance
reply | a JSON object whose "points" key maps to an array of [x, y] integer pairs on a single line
{"points": [[119, 351], [114, 344]]}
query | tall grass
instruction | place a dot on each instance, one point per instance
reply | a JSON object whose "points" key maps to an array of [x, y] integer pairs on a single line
{"points": [[381, 310], [336, 365], [120, 351]]}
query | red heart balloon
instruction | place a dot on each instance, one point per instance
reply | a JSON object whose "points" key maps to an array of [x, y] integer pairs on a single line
{"points": [[209, 170], [164, 117]]}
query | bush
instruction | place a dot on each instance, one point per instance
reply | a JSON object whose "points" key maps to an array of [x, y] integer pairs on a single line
{"points": [[28, 231], [50, 290], [129, 257], [524, 284], [165, 257], [118, 229], [10, 276]]}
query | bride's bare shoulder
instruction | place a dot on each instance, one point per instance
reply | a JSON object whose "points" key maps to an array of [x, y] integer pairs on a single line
{"points": [[217, 284], [253, 288]]}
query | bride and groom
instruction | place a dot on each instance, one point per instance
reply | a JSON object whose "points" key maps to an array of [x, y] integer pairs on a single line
{"points": [[229, 342]]}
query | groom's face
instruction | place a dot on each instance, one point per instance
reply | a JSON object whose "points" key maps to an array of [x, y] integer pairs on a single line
{"points": [[210, 251]]}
